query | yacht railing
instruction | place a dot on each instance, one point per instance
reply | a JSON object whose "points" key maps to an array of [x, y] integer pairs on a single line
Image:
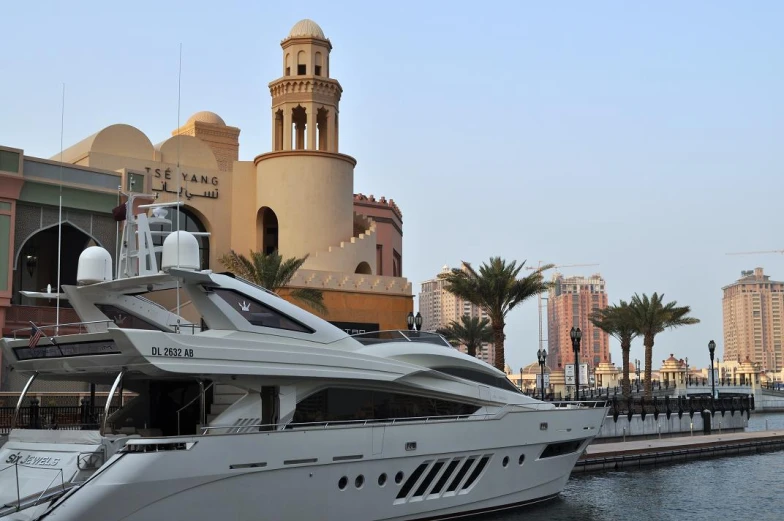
{"points": [[38, 498], [202, 412], [55, 326], [517, 407]]}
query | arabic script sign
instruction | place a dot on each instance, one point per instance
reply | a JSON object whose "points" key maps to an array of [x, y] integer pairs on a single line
{"points": [[191, 185]]}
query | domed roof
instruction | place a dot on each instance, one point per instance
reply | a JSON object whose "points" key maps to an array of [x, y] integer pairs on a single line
{"points": [[205, 116], [306, 27]]}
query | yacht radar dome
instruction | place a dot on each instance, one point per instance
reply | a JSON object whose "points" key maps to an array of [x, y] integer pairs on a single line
{"points": [[95, 265], [189, 252]]}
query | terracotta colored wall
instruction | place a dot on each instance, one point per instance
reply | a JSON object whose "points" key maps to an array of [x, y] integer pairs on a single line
{"points": [[389, 311]]}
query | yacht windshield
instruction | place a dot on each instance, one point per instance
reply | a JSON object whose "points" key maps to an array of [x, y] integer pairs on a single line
{"points": [[383, 337]]}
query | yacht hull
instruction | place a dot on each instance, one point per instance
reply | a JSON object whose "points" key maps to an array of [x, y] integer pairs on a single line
{"points": [[402, 471]]}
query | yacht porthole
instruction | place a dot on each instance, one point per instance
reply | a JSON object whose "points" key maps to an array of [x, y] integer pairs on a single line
{"points": [[382, 480], [506, 461], [399, 477], [359, 481], [342, 483], [521, 460]]}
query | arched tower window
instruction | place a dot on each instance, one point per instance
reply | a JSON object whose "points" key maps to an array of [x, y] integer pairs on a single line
{"points": [[299, 120], [266, 231], [288, 64], [363, 268], [189, 222], [301, 64], [322, 122], [279, 130], [317, 65]]}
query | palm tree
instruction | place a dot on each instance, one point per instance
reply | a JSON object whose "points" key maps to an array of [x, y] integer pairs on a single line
{"points": [[470, 331], [651, 317], [618, 321], [273, 272], [497, 290]]}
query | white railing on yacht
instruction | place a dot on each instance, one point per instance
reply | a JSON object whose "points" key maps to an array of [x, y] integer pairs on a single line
{"points": [[38, 498], [541, 406], [66, 325]]}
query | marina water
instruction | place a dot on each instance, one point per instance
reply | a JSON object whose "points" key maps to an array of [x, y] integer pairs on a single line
{"points": [[743, 487]]}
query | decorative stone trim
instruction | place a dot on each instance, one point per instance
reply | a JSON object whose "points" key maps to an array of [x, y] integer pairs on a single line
{"points": [[321, 153]]}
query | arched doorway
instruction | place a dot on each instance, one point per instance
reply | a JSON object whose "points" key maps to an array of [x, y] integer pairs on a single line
{"points": [[266, 231], [189, 222], [363, 268], [36, 265]]}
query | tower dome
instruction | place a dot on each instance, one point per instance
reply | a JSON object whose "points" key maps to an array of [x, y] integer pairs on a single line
{"points": [[205, 116], [306, 28]]}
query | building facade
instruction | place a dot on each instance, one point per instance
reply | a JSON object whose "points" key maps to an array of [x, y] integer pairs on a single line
{"points": [[297, 199], [752, 311], [570, 302], [439, 308]]}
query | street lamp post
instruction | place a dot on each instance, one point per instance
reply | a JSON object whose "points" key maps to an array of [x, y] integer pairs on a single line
{"points": [[542, 356], [414, 321], [686, 384], [712, 349], [637, 370], [576, 335]]}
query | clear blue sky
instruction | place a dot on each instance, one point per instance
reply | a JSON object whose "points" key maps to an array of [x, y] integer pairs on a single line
{"points": [[644, 137]]}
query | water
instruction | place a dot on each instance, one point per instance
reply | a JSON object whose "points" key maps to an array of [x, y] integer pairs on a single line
{"points": [[735, 488]]}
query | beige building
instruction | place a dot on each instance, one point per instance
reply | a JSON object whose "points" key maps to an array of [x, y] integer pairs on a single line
{"points": [[570, 302], [752, 311], [297, 198], [439, 308]]}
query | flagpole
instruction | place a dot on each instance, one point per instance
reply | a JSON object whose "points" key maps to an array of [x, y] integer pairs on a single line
{"points": [[60, 216]]}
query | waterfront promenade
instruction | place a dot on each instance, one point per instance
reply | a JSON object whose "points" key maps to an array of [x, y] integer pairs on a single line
{"points": [[638, 453]]}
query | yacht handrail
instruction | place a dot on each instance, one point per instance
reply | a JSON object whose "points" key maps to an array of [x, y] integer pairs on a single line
{"points": [[539, 406], [200, 395], [148, 301], [17, 506], [53, 326]]}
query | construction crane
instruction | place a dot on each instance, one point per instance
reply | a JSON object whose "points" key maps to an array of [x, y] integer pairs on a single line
{"points": [[539, 296], [754, 252]]}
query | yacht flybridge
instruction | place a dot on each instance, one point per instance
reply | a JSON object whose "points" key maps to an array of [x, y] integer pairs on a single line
{"points": [[316, 424]]}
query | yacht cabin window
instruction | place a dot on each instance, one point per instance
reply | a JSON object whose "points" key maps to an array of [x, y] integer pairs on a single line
{"points": [[259, 314], [124, 319], [339, 404]]}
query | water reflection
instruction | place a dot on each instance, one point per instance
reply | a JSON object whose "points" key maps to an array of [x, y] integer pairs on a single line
{"points": [[733, 488]]}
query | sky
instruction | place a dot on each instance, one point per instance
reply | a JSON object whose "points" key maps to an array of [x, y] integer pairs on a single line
{"points": [[644, 137]]}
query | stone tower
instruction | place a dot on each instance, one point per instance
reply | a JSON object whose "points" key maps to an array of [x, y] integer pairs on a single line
{"points": [[305, 99], [305, 200], [212, 130]]}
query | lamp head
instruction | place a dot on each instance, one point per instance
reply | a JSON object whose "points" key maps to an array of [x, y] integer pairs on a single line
{"points": [[410, 320], [573, 333], [418, 321], [711, 347]]}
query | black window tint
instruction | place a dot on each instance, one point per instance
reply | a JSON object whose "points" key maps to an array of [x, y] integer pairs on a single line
{"points": [[559, 449], [259, 314], [501, 382], [358, 404], [125, 320]]}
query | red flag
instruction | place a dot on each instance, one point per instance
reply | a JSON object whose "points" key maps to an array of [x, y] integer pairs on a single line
{"points": [[119, 212]]}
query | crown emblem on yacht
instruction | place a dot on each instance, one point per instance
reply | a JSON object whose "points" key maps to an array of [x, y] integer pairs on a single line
{"points": [[245, 306]]}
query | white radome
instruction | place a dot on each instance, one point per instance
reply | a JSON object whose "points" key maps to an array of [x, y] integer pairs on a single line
{"points": [[95, 265], [188, 248]]}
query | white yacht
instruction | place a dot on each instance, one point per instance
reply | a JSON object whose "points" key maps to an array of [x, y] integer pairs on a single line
{"points": [[320, 425]]}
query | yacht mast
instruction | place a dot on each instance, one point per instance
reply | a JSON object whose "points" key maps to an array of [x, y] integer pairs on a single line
{"points": [[60, 215]]}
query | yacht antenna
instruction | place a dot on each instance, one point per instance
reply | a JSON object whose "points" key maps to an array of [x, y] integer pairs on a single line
{"points": [[179, 100], [60, 215]]}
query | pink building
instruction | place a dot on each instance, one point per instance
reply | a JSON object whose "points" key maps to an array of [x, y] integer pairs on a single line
{"points": [[389, 232]]}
